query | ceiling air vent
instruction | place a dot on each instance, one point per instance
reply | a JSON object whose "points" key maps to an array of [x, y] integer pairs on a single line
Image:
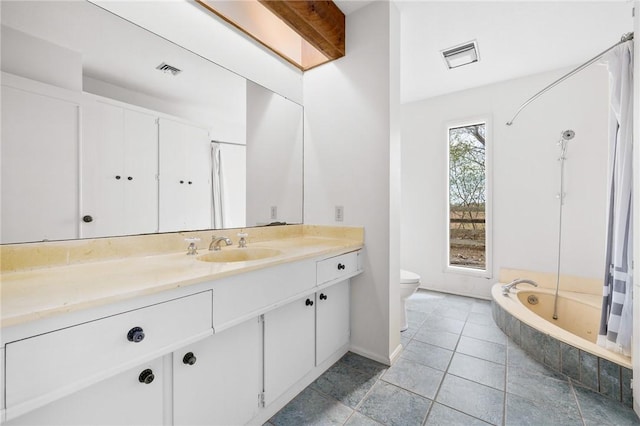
{"points": [[168, 69], [463, 54]]}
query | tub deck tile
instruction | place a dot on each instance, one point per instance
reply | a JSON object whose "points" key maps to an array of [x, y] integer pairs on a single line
{"points": [[533, 342], [627, 376], [589, 370], [552, 352], [570, 361], [610, 379], [512, 327]]}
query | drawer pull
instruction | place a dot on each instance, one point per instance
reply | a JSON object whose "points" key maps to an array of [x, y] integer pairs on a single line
{"points": [[323, 296], [146, 376], [340, 266], [189, 358], [309, 302], [135, 335]]}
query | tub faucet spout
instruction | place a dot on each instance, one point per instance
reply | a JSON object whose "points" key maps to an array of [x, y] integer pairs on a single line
{"points": [[507, 287]]}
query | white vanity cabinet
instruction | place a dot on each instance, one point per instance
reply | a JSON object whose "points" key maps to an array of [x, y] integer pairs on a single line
{"points": [[332, 320], [119, 400], [276, 330], [217, 381], [47, 367], [39, 154], [185, 197], [119, 170], [289, 346]]}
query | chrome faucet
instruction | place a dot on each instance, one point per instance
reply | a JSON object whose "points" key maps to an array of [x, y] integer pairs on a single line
{"points": [[507, 287], [215, 242]]}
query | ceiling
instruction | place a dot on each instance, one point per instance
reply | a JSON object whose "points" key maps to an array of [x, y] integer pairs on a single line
{"points": [[514, 38]]}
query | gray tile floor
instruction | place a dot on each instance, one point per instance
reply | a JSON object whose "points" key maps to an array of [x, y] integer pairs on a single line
{"points": [[457, 368]]}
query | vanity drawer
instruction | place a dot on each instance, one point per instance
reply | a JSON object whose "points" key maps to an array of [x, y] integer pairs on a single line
{"points": [[343, 266], [43, 368]]}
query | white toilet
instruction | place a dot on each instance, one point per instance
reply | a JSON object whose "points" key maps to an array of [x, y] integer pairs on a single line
{"points": [[409, 283]]}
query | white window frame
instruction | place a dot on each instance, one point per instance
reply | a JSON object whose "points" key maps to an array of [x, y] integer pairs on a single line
{"points": [[448, 268]]}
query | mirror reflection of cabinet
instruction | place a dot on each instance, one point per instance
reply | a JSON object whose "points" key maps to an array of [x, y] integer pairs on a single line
{"points": [[39, 165], [61, 50], [185, 177], [119, 171]]}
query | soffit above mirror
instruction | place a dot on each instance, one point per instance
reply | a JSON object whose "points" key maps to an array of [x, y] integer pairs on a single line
{"points": [[305, 33]]}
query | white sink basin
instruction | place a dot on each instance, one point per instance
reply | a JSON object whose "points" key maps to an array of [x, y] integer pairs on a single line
{"points": [[238, 254]]}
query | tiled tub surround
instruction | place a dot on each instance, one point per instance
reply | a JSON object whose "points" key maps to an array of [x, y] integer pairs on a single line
{"points": [[599, 374]]}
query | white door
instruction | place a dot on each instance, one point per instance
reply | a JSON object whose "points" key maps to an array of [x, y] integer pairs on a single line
{"points": [[185, 177], [289, 346], [217, 380], [39, 154], [119, 169], [332, 320], [141, 171], [119, 400]]}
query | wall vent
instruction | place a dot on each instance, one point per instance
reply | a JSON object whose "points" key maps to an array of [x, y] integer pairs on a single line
{"points": [[168, 69]]}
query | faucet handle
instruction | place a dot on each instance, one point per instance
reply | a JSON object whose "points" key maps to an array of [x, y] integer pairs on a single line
{"points": [[192, 249], [242, 242]]}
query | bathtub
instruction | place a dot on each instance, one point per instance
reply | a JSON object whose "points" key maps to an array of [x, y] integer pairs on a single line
{"points": [[566, 345]]}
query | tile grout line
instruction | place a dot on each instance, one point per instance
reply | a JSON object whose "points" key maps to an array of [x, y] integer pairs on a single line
{"points": [[575, 397]]}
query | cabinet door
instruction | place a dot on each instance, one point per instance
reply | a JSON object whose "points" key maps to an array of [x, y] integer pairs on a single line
{"points": [[185, 177], [289, 346], [141, 171], [120, 166], [102, 169], [332, 320], [39, 155], [119, 400], [222, 385]]}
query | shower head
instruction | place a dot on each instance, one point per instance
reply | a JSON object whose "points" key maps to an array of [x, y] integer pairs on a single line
{"points": [[567, 135]]}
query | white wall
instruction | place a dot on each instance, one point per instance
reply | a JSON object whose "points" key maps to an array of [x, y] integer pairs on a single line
{"points": [[525, 178], [351, 160], [226, 121], [46, 62], [274, 157]]}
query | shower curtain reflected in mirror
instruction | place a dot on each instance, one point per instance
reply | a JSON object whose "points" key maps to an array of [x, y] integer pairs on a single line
{"points": [[616, 321]]}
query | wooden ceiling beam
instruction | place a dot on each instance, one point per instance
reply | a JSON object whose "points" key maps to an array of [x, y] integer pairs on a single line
{"points": [[320, 23]]}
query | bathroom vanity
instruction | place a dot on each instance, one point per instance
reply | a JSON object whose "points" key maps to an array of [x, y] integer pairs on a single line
{"points": [[169, 338]]}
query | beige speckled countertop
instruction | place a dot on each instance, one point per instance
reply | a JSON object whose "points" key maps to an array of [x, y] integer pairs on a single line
{"points": [[35, 292]]}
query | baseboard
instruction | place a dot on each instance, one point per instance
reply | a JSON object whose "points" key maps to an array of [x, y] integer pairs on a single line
{"points": [[439, 290], [370, 355]]}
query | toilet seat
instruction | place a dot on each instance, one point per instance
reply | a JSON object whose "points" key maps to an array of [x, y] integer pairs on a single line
{"points": [[408, 277]]}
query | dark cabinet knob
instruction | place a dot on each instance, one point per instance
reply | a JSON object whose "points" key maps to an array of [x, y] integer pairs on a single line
{"points": [[189, 358], [87, 219], [323, 296], [135, 335], [181, 182], [190, 182], [146, 376], [309, 302], [118, 177], [340, 266], [130, 178]]}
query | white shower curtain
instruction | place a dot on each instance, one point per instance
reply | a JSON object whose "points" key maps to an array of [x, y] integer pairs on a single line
{"points": [[217, 185], [616, 321]]}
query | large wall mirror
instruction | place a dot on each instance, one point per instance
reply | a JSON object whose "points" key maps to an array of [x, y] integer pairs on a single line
{"points": [[109, 129]]}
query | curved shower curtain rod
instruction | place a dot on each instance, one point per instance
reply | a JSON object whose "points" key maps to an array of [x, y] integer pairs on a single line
{"points": [[625, 37]]}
